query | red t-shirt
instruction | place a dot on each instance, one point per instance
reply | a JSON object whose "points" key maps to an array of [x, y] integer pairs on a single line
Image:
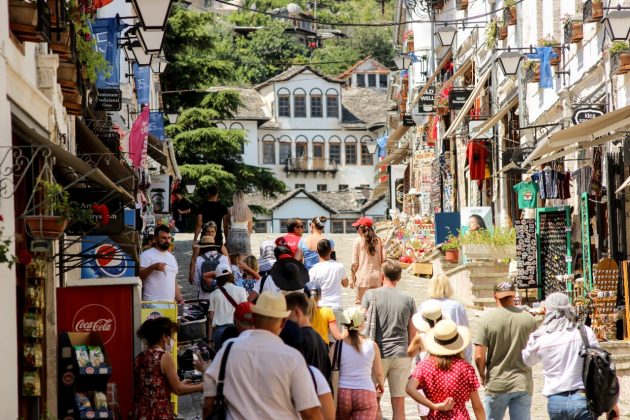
{"points": [[476, 153], [290, 240], [438, 385]]}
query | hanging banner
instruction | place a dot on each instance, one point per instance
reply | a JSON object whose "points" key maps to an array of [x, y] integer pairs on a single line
{"points": [[106, 32], [103, 258], [138, 139], [476, 218], [160, 192], [142, 76], [156, 125]]}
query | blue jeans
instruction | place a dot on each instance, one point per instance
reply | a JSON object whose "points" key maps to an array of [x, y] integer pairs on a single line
{"points": [[570, 405], [216, 336], [520, 404]]}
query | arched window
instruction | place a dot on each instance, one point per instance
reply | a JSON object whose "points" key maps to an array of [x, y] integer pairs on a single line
{"points": [[285, 149], [367, 158], [334, 149], [318, 150], [350, 149], [317, 110], [299, 103], [221, 126], [332, 103], [239, 126], [269, 150], [301, 147], [284, 103]]}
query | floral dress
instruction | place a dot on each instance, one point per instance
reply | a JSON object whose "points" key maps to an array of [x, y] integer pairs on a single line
{"points": [[152, 394]]}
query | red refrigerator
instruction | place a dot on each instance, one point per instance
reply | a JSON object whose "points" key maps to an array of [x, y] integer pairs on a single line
{"points": [[110, 307]]}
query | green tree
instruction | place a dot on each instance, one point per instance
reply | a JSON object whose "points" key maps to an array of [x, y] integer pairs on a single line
{"points": [[335, 58]]}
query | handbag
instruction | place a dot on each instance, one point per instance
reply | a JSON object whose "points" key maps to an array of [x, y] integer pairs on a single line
{"points": [[219, 410], [334, 375], [370, 319]]}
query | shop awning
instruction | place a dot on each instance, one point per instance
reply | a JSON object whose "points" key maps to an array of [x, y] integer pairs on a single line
{"points": [[173, 168], [155, 150], [585, 133], [431, 79], [380, 189], [395, 157], [491, 122], [397, 135], [577, 147], [469, 103], [129, 241]]}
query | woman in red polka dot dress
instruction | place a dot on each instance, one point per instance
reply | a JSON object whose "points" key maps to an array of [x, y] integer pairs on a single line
{"points": [[446, 379]]}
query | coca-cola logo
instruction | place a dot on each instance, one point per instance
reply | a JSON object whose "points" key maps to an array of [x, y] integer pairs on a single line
{"points": [[95, 318]]}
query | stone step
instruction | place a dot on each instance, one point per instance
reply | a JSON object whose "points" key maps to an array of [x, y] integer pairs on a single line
{"points": [[484, 302], [617, 348]]}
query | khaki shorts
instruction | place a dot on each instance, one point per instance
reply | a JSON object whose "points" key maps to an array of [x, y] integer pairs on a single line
{"points": [[397, 373]]}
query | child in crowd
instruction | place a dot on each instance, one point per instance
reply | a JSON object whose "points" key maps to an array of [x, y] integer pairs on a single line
{"points": [[322, 318], [208, 229], [249, 273]]}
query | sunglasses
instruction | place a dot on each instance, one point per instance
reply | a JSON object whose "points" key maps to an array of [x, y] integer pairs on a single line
{"points": [[300, 226]]}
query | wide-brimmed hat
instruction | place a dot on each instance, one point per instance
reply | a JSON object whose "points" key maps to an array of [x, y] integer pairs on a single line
{"points": [[504, 288], [289, 274], [352, 318], [446, 338], [206, 242], [271, 304], [363, 221], [430, 315]]}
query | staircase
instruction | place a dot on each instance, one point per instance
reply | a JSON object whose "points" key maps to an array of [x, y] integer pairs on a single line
{"points": [[620, 351], [474, 282]]}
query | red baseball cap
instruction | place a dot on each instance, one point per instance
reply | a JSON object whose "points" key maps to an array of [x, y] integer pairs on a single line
{"points": [[243, 312], [363, 221]]}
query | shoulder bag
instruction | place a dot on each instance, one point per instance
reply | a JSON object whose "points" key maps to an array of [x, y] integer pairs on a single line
{"points": [[336, 364], [219, 411], [371, 318], [228, 297]]}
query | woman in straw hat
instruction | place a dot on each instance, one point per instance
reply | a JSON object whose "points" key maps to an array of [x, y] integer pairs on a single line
{"points": [[447, 380], [360, 360]]}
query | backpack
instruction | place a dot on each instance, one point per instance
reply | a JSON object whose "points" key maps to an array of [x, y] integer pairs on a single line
{"points": [[210, 263], [262, 284], [600, 377]]}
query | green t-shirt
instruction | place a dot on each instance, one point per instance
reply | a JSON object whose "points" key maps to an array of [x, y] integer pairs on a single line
{"points": [[527, 193], [505, 331]]}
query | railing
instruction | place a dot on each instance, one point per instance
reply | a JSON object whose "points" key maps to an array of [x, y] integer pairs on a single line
{"points": [[304, 164]]}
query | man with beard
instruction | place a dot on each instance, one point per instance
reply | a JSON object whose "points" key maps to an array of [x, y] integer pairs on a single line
{"points": [[158, 269]]}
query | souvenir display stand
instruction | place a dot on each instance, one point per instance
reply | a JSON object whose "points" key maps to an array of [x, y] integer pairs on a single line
{"points": [[33, 331], [411, 241], [604, 296], [553, 232], [84, 371], [526, 253]]}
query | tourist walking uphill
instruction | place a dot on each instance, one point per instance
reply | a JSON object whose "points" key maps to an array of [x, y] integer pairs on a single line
{"points": [[367, 256], [240, 227], [212, 210], [308, 245]]}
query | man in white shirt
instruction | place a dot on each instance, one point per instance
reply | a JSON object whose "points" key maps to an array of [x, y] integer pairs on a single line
{"points": [[330, 276], [259, 362], [286, 275], [158, 269], [223, 302]]}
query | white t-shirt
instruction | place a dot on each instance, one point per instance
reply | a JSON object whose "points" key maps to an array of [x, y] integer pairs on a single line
{"points": [[260, 361], [222, 308], [355, 369], [559, 353], [328, 274], [159, 285], [198, 263], [270, 286], [323, 387]]}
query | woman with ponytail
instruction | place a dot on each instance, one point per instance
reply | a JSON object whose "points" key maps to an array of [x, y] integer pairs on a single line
{"points": [[367, 257], [359, 362], [308, 245], [322, 318]]}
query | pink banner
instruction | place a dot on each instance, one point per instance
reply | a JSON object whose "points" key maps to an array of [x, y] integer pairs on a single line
{"points": [[138, 138]]}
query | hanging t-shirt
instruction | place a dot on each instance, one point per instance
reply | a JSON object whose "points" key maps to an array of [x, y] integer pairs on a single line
{"points": [[476, 152], [564, 190], [583, 177], [527, 194], [547, 180]]}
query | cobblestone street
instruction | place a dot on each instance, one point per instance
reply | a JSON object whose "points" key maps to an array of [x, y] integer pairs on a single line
{"points": [[415, 286]]}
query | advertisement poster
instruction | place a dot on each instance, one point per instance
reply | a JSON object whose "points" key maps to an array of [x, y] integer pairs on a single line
{"points": [[104, 259], [475, 218], [160, 193]]}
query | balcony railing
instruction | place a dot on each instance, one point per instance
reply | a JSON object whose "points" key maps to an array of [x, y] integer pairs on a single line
{"points": [[311, 165]]}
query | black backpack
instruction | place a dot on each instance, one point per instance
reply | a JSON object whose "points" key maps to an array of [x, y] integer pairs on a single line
{"points": [[210, 263], [600, 377]]}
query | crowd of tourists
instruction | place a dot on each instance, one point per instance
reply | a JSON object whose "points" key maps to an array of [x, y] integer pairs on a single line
{"points": [[287, 348]]}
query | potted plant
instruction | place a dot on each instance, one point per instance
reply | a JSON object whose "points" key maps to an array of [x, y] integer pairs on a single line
{"points": [[593, 10], [619, 57], [532, 71], [482, 244], [573, 32], [55, 211], [438, 4], [451, 248], [549, 41], [509, 12], [502, 29], [462, 4], [491, 34], [441, 104], [88, 55]]}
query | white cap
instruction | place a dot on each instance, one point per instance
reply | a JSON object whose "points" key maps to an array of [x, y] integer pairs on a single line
{"points": [[223, 269]]}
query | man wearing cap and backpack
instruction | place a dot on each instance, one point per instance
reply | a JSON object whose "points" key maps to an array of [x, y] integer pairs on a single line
{"points": [[223, 303], [206, 264], [287, 274], [501, 336], [258, 363]]}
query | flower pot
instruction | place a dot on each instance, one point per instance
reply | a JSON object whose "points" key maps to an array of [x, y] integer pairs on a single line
{"points": [[512, 16], [23, 13], [442, 109], [503, 32], [67, 72], [452, 255], [573, 33], [462, 4], [558, 52], [46, 227], [592, 12], [620, 62]]}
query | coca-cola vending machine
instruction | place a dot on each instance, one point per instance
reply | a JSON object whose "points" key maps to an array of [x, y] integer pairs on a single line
{"points": [[111, 308]]}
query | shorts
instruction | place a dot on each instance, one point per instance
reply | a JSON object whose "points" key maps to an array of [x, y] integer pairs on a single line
{"points": [[396, 372]]}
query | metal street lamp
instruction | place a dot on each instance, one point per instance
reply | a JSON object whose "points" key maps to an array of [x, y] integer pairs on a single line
{"points": [[172, 117], [151, 40], [371, 146], [617, 24], [446, 35], [190, 188], [401, 63], [509, 62], [152, 13], [158, 64], [141, 57]]}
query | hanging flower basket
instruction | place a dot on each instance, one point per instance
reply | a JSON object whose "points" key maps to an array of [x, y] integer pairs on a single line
{"points": [[503, 31], [509, 15], [620, 62], [593, 11], [442, 110], [573, 32], [558, 52], [452, 256], [46, 227], [462, 4]]}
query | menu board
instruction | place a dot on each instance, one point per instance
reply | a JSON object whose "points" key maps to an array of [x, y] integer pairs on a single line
{"points": [[526, 253]]}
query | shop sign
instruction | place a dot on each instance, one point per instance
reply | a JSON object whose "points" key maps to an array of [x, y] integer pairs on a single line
{"points": [[95, 318], [107, 212], [102, 258], [408, 121], [585, 114], [108, 100], [160, 193], [109, 137], [426, 102], [458, 97]]}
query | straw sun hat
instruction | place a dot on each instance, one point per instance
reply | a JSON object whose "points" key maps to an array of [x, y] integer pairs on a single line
{"points": [[272, 305], [446, 339], [426, 319]]}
